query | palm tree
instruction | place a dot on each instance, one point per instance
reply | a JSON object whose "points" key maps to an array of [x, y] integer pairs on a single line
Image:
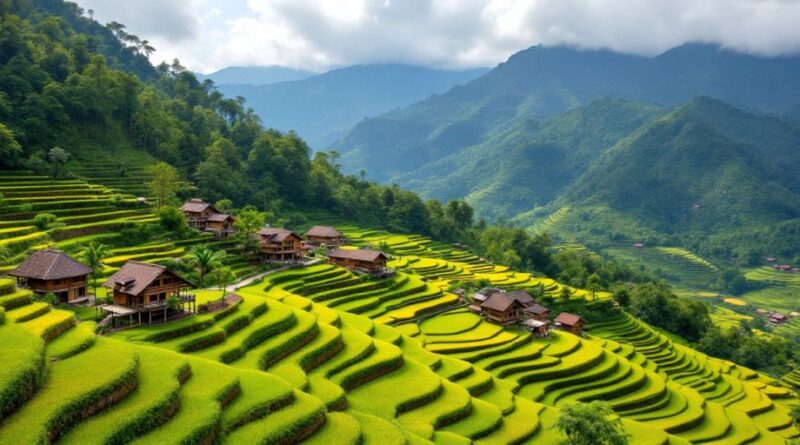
{"points": [[94, 254], [205, 260]]}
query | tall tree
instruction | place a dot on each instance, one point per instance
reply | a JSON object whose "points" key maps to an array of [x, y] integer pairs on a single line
{"points": [[164, 182], [94, 254], [9, 147], [205, 260], [58, 158], [248, 223]]}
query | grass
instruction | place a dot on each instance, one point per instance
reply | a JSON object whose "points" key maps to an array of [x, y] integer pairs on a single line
{"points": [[74, 341], [23, 367], [75, 387]]}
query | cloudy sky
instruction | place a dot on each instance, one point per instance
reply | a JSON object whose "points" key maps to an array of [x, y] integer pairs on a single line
{"points": [[208, 35]]}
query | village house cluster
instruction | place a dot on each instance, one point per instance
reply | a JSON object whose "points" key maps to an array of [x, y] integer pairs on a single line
{"points": [[518, 307], [782, 267], [140, 292]]}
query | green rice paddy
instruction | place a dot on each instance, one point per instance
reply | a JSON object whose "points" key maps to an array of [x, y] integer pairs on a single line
{"points": [[322, 355]]}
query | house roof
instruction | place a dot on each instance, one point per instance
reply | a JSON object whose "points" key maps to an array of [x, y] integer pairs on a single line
{"points": [[219, 217], [488, 290], [369, 256], [196, 205], [134, 277], [323, 232], [533, 323], [276, 234], [523, 297], [50, 265], [567, 319], [537, 309], [499, 301]]}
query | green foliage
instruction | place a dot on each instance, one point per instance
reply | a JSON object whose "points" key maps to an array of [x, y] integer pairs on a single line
{"points": [[656, 305], [10, 150], [224, 205], [93, 255], [589, 424], [248, 222], [58, 158], [45, 221], [172, 219], [205, 260], [742, 346], [163, 183]]}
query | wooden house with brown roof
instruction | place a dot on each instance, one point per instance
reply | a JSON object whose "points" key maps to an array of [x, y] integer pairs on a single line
{"points": [[502, 308], [53, 271], [537, 312], [523, 297], [139, 289], [280, 245], [197, 213], [372, 262], [220, 224], [570, 322], [324, 236]]}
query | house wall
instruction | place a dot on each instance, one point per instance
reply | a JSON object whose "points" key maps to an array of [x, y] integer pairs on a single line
{"points": [[354, 264], [66, 290], [166, 286]]}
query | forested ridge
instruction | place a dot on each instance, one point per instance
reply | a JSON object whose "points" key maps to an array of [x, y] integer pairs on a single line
{"points": [[70, 83]]}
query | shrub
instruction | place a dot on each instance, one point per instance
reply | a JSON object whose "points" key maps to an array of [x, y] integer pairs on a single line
{"points": [[45, 221], [172, 219]]}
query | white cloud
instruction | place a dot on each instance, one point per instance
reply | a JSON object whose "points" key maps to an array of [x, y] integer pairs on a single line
{"points": [[318, 34]]}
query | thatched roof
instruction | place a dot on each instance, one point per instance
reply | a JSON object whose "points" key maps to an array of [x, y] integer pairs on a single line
{"points": [[536, 309], [523, 297], [276, 234], [567, 319], [50, 265], [220, 217], [196, 205], [369, 256], [499, 301], [323, 232], [134, 277]]}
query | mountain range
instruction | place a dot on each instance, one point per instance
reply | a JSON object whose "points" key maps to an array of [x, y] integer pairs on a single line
{"points": [[324, 107], [698, 140]]}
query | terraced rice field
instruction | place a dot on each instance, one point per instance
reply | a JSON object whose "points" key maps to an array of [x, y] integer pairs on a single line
{"points": [[86, 212], [782, 292], [685, 270], [642, 374], [323, 355]]}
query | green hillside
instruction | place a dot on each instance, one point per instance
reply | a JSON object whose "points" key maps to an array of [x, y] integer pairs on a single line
{"points": [[288, 363], [545, 81]]}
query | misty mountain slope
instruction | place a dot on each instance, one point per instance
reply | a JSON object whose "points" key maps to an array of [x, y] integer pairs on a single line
{"points": [[533, 162], [544, 81], [255, 75], [700, 169], [324, 107]]}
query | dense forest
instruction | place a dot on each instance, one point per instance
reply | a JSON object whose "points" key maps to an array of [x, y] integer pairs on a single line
{"points": [[67, 82]]}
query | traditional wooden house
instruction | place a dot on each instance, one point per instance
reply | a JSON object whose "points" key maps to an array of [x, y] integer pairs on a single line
{"points": [[777, 318], [537, 312], [53, 271], [280, 245], [783, 267], [522, 297], [537, 327], [140, 290], [501, 308], [324, 236], [484, 294], [570, 323], [197, 213], [372, 262], [220, 224]]}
